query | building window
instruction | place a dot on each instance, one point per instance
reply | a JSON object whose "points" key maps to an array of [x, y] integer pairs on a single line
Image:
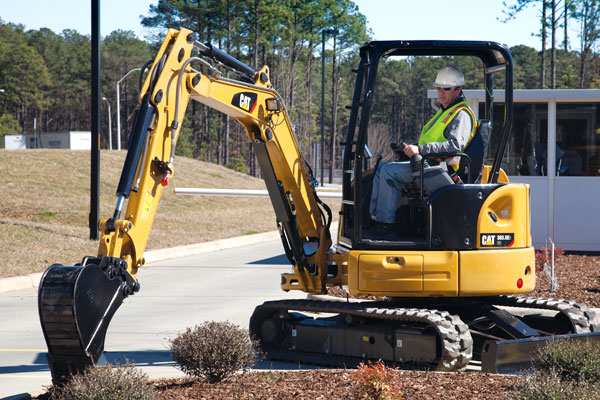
{"points": [[577, 139], [525, 153]]}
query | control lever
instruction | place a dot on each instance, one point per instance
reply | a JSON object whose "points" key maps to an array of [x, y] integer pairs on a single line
{"points": [[415, 160]]}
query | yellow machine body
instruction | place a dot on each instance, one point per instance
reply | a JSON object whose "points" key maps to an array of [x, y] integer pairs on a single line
{"points": [[492, 269]]}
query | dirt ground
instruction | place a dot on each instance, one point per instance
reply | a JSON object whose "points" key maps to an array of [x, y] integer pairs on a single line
{"points": [[579, 280]]}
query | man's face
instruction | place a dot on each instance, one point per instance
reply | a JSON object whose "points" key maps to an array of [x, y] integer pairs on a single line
{"points": [[446, 96]]}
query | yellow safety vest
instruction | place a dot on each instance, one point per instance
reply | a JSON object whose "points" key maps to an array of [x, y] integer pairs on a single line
{"points": [[433, 131]]}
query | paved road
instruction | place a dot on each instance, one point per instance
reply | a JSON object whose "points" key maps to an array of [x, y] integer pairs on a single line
{"points": [[175, 294]]}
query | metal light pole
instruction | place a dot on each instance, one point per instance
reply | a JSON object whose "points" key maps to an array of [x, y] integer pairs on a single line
{"points": [[95, 125], [109, 124], [119, 108], [323, 33], [322, 104]]}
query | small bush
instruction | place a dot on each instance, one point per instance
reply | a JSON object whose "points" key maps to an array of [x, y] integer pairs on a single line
{"points": [[213, 350], [105, 382], [570, 360], [549, 386], [377, 382]]}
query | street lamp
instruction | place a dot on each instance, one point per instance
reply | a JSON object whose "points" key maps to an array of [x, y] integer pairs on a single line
{"points": [[109, 124], [323, 33], [1, 90], [119, 108]]}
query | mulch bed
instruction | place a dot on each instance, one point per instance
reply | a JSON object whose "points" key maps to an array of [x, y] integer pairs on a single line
{"points": [[578, 279], [340, 384]]}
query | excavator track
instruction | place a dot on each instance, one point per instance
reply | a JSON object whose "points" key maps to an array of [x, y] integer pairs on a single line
{"points": [[583, 318], [288, 332], [420, 338]]}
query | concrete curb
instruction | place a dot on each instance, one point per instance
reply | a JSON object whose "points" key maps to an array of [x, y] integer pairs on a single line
{"points": [[20, 282], [152, 256]]}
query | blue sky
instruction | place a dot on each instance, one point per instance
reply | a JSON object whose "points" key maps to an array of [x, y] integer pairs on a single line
{"points": [[388, 19]]}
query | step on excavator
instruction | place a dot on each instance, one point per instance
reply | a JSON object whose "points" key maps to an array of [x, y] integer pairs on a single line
{"points": [[451, 285]]}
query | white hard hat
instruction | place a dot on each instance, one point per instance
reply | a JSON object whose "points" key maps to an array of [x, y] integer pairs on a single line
{"points": [[449, 77]]}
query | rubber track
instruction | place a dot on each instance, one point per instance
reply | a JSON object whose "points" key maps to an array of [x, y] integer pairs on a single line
{"points": [[584, 319], [453, 332]]}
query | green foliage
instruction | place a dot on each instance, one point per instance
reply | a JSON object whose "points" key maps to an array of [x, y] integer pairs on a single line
{"points": [[565, 370], [8, 126], [571, 360], [213, 350], [100, 383], [377, 382], [237, 163], [549, 386]]}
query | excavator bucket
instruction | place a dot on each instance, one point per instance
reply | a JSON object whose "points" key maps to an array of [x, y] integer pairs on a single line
{"points": [[514, 356], [76, 304]]}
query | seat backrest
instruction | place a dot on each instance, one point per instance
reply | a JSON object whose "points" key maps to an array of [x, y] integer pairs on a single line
{"points": [[476, 150]]}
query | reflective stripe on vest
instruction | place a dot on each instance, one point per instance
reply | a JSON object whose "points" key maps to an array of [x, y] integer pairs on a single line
{"points": [[433, 131]]}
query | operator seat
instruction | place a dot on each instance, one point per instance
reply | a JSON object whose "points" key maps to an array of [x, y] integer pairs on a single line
{"points": [[476, 150]]}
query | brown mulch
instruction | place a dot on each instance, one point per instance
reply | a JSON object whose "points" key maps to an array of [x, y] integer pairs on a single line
{"points": [[578, 279], [340, 385]]}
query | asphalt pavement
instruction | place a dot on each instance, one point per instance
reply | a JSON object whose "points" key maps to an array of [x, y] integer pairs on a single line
{"points": [[220, 283]]}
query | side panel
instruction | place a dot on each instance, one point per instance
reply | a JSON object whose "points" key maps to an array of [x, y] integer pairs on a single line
{"points": [[504, 218], [492, 272], [390, 272], [403, 273]]}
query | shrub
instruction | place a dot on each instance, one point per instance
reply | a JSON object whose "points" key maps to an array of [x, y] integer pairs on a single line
{"points": [[105, 382], [549, 386], [213, 350], [377, 382], [566, 370], [571, 360]]}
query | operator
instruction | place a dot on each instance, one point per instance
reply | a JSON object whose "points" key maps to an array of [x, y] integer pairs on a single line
{"points": [[449, 131]]}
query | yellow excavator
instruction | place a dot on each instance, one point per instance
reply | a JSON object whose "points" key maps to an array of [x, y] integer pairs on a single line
{"points": [[447, 282]]}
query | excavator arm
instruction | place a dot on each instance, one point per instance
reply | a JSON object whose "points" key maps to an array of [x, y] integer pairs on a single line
{"points": [[76, 303]]}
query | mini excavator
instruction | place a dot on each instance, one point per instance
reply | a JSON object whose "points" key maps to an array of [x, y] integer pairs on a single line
{"points": [[447, 282]]}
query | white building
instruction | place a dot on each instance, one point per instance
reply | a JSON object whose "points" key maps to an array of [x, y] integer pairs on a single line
{"points": [[73, 140]]}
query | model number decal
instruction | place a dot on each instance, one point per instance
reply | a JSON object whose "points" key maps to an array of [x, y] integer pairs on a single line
{"points": [[497, 239], [245, 100]]}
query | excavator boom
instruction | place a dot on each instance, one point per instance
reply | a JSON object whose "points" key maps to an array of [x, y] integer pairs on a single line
{"points": [[76, 303]]}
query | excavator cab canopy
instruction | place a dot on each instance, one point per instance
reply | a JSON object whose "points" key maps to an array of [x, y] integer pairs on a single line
{"points": [[495, 58]]}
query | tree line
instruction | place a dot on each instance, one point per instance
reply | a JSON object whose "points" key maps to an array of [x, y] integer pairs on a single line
{"points": [[45, 76]]}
